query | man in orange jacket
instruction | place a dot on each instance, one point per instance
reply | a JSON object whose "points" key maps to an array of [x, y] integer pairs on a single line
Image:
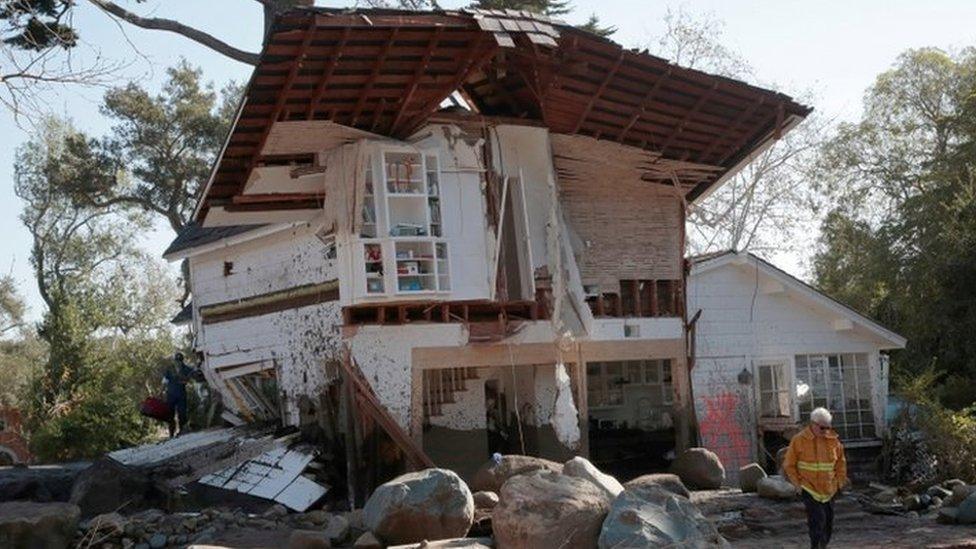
{"points": [[816, 465]]}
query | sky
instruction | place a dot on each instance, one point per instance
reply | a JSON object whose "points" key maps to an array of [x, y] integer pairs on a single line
{"points": [[834, 48]]}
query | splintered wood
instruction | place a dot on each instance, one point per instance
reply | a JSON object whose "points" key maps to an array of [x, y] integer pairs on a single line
{"points": [[630, 228]]}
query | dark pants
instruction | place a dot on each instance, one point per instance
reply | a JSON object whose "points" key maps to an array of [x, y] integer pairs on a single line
{"points": [[178, 405], [820, 520]]}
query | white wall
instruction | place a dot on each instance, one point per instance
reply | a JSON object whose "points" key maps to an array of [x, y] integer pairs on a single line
{"points": [[746, 318]]}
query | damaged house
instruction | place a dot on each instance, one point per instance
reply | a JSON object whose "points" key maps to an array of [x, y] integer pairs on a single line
{"points": [[475, 219]]}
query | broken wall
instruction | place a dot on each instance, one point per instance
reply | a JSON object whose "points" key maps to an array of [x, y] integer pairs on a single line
{"points": [[298, 341]]}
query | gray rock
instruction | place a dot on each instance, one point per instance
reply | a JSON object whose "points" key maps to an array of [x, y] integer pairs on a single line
{"points": [[107, 486], [142, 546], [39, 483], [355, 518], [276, 511], [960, 493], [938, 491], [776, 487], [699, 468], [318, 516], [967, 510], [749, 476], [887, 496], [947, 515], [485, 500], [912, 502], [429, 504], [491, 476], [546, 509], [367, 541], [458, 543], [113, 523], [38, 525], [670, 482], [308, 539], [952, 483], [581, 467], [338, 529], [650, 516], [936, 501], [157, 541]]}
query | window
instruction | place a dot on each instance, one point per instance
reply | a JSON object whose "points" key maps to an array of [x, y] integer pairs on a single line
{"points": [[774, 391], [607, 381], [842, 384]]}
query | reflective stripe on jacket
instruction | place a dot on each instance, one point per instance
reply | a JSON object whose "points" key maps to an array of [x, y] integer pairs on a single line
{"points": [[816, 464]]}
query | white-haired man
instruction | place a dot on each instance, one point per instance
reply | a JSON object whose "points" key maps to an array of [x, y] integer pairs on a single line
{"points": [[816, 465]]}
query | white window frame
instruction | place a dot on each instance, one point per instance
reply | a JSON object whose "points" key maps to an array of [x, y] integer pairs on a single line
{"points": [[789, 371]]}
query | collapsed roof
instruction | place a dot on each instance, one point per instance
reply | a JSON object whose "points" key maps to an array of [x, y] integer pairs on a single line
{"points": [[386, 72]]}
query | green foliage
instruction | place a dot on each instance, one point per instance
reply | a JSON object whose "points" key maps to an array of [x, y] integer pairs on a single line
{"points": [[900, 243], [547, 7], [37, 24], [20, 358], [948, 436], [105, 327], [593, 25]]}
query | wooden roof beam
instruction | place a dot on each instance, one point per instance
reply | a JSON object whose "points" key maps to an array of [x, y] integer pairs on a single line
{"points": [[327, 74], [377, 68], [475, 58], [644, 104], [681, 125], [417, 75], [746, 114], [282, 99], [600, 90], [776, 116]]}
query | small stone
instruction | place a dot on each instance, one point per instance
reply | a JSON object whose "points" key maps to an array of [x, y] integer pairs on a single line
{"points": [[157, 541], [142, 546], [938, 491], [368, 541], [485, 500], [936, 501], [355, 518], [276, 511], [912, 515], [749, 477], [319, 516], [952, 483], [912, 502], [308, 539], [960, 493], [338, 529], [887, 496], [775, 487], [947, 515]]}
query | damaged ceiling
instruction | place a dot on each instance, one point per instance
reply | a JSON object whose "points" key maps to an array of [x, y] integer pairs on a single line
{"points": [[386, 72]]}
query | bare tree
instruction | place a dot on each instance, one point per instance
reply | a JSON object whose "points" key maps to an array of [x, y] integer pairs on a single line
{"points": [[765, 206]]}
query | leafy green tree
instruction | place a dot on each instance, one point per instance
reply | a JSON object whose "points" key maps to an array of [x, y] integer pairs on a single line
{"points": [[593, 25], [547, 7], [901, 239], [104, 327]]}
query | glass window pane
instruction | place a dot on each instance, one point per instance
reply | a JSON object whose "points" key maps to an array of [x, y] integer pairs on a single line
{"points": [[652, 371], [634, 374], [766, 378], [801, 361], [666, 370]]}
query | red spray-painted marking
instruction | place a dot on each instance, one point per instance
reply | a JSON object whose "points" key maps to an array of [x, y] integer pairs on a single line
{"points": [[722, 430]]}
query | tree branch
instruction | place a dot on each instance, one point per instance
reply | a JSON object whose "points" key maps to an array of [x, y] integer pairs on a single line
{"points": [[170, 25]]}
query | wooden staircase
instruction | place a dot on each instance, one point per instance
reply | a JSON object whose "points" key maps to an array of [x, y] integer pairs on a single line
{"points": [[441, 385]]}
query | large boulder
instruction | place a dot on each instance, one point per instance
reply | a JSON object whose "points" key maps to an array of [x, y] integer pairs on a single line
{"points": [[492, 475], [967, 510], [749, 477], [107, 486], [581, 467], [775, 487], [546, 509], [26, 525], [39, 483], [430, 504], [650, 516], [960, 493], [670, 482], [780, 458], [460, 543], [699, 468]]}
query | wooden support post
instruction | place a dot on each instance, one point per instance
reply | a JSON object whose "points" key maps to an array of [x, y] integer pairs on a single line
{"points": [[600, 305], [655, 308], [349, 402], [635, 288], [618, 306]]}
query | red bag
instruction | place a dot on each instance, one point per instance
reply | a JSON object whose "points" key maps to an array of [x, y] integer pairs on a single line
{"points": [[156, 408]]}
